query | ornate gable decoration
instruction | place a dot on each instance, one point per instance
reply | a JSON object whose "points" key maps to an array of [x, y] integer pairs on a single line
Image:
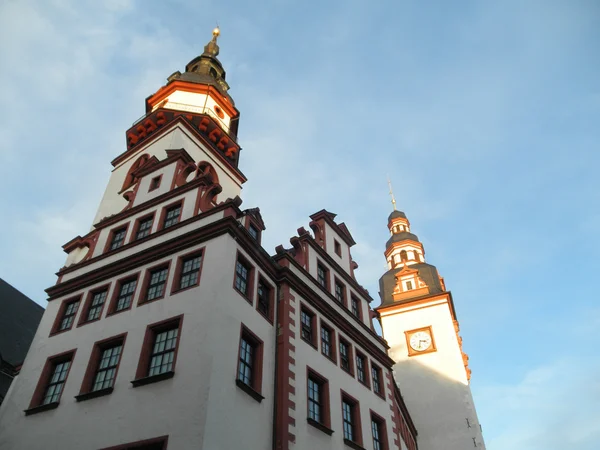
{"points": [[409, 284]]}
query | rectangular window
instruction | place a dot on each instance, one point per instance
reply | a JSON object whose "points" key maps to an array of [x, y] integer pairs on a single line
{"points": [[118, 237], [376, 376], [409, 285], [317, 392], [172, 216], [144, 227], [155, 183], [107, 367], [322, 274], [51, 383], [340, 292], [188, 271], [253, 232], [249, 369], [355, 306], [362, 369], [126, 291], [328, 342], [308, 326], [315, 402], [345, 356], [243, 273], [156, 281], [351, 419], [159, 351], [68, 316], [264, 299], [378, 432], [337, 248], [94, 306]]}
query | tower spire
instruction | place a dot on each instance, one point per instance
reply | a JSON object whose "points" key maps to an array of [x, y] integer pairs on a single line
{"points": [[392, 193]]}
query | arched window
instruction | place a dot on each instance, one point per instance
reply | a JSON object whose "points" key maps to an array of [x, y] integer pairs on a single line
{"points": [[416, 255], [403, 255], [130, 178]]}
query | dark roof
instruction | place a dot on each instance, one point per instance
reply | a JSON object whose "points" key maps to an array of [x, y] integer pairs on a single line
{"points": [[402, 236], [396, 214], [427, 273], [19, 319]]}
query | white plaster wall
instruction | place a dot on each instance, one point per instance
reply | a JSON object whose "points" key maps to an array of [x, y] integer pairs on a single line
{"points": [[196, 408], [309, 437], [143, 193], [178, 137], [434, 385]]}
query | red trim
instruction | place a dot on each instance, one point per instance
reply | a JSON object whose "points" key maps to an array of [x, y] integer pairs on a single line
{"points": [[201, 252], [152, 186], [142, 299], [140, 445], [86, 309], [130, 178], [92, 367], [117, 290], [111, 236], [151, 331], [258, 345], [248, 296], [61, 312], [38, 393]]}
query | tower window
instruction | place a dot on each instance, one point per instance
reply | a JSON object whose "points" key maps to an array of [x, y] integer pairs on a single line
{"points": [[355, 306], [159, 351], [378, 432], [322, 275], [337, 248], [340, 292], [403, 256], [409, 285], [117, 239], [144, 227], [249, 373], [253, 232], [95, 305], [327, 342], [172, 216], [351, 419], [188, 271], [156, 283], [155, 183], [345, 356], [125, 296], [308, 326]]}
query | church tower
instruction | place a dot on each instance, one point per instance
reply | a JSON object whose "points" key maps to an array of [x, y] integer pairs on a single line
{"points": [[420, 324]]}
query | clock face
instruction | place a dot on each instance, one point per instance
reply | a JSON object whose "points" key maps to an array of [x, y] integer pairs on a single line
{"points": [[420, 341]]}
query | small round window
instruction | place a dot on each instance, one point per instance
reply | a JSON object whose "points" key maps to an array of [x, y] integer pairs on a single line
{"points": [[219, 112]]}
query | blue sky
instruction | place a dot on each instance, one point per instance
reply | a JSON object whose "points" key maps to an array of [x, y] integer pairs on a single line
{"points": [[486, 116]]}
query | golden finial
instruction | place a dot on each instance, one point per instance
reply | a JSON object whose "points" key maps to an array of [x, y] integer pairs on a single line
{"points": [[392, 193], [216, 31]]}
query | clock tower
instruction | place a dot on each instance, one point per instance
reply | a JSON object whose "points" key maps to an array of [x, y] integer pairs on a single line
{"points": [[420, 324]]}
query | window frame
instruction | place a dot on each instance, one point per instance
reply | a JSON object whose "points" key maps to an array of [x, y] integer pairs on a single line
{"points": [[111, 237], [164, 212], [337, 248], [61, 312], [379, 370], [350, 370], [356, 420], [255, 388], [249, 280], [142, 376], [88, 304], [112, 307], [382, 430], [176, 284], [136, 227], [367, 370], [332, 344], [151, 186], [344, 300], [143, 296], [271, 299], [326, 272], [354, 298], [315, 333], [39, 393], [325, 411], [99, 347]]}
